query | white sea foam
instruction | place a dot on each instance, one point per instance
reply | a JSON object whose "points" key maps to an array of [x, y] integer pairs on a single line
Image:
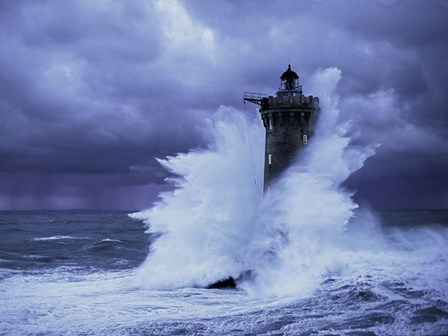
{"points": [[56, 238], [74, 300], [217, 223], [110, 240], [208, 221]]}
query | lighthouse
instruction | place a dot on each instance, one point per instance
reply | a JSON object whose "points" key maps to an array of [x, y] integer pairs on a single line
{"points": [[289, 118]]}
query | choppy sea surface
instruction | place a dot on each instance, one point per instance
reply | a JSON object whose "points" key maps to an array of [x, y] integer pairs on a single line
{"points": [[74, 273]]}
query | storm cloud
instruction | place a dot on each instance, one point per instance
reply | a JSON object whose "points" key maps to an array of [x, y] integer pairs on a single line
{"points": [[92, 92]]}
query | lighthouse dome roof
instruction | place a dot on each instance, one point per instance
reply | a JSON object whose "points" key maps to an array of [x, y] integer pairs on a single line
{"points": [[289, 75]]}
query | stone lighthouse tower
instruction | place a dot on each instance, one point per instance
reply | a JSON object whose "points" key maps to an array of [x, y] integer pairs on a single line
{"points": [[289, 119]]}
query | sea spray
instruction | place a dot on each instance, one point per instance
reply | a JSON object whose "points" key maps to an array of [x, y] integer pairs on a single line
{"points": [[305, 213], [216, 223], [208, 220]]}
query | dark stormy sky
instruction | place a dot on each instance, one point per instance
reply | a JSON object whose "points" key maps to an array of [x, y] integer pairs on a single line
{"points": [[92, 91]]}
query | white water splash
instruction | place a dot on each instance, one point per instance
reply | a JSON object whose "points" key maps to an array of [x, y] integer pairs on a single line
{"points": [[217, 223], [207, 221]]}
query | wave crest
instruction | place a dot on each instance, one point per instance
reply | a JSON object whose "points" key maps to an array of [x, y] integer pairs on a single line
{"points": [[216, 223]]}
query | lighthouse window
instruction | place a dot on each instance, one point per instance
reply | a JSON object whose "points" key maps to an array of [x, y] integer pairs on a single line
{"points": [[305, 139], [271, 125], [270, 159]]}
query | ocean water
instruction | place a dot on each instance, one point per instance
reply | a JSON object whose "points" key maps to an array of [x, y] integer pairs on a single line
{"points": [[76, 273], [321, 264]]}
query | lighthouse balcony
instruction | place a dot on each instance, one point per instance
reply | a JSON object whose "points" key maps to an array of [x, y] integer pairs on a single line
{"points": [[291, 100]]}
